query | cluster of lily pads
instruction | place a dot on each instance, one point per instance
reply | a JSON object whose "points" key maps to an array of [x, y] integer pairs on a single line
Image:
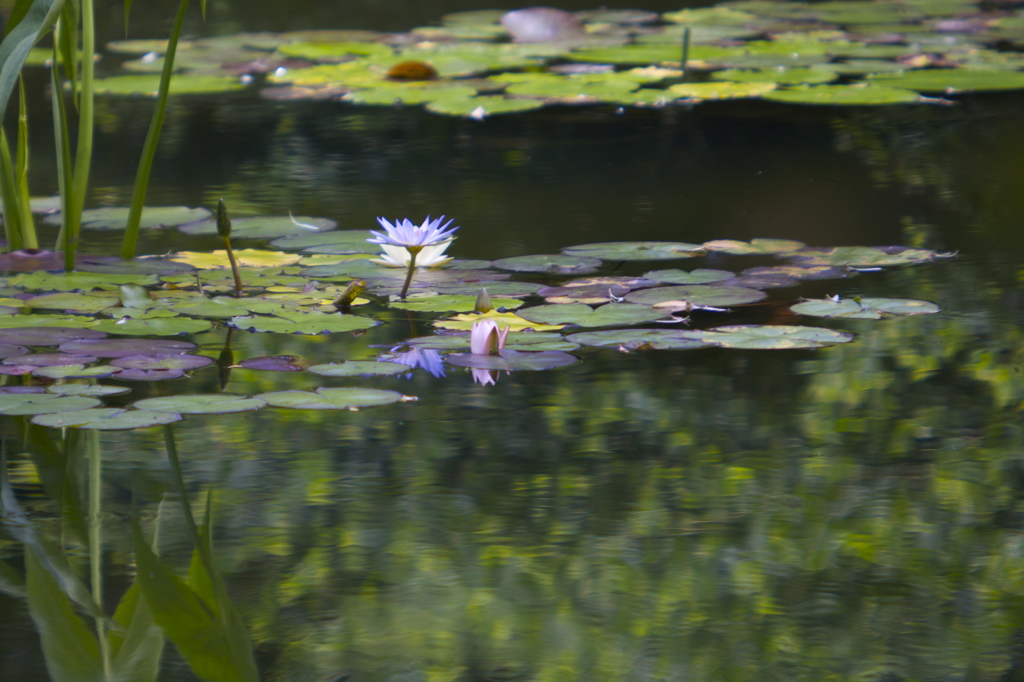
{"points": [[488, 62], [110, 319]]}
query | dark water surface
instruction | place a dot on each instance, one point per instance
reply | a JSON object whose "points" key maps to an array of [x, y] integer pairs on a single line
{"points": [[852, 513]]}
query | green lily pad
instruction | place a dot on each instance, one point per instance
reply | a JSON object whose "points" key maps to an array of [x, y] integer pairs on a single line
{"points": [[583, 315], [780, 75], [854, 94], [635, 250], [70, 301], [953, 80], [711, 295], [215, 403], [165, 326], [353, 368], [76, 372], [50, 336], [550, 263], [699, 276], [43, 403], [80, 281], [481, 107], [455, 304], [335, 51], [263, 227], [495, 289], [181, 84], [340, 242], [865, 256], [721, 90], [333, 398], [636, 339], [87, 389], [755, 247], [313, 323], [864, 308], [107, 419], [409, 93], [177, 361], [117, 218], [771, 337]]}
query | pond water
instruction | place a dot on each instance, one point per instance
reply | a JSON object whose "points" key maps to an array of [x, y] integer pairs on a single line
{"points": [[846, 513]]}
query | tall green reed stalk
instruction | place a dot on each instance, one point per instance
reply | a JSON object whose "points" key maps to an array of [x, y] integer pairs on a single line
{"points": [[70, 23]]}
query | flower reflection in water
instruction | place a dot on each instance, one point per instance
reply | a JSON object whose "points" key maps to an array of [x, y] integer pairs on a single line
{"points": [[426, 358], [485, 377]]}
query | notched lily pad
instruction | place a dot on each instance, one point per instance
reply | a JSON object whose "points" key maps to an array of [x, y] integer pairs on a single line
{"points": [[550, 263], [455, 304], [107, 419], [699, 276], [216, 403], [769, 337], [864, 308], [274, 363], [580, 314], [87, 389], [635, 250], [755, 247], [865, 256], [684, 297], [43, 403], [333, 398], [637, 339], [162, 361], [353, 368]]}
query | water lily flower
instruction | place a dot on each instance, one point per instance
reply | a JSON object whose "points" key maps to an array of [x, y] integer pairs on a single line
{"points": [[413, 240], [399, 257], [486, 339], [413, 237]]}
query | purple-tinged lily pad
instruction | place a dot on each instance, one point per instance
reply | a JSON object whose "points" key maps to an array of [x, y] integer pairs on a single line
{"points": [[215, 403], [49, 360], [636, 250], [333, 398], [758, 247], [697, 295], [46, 336], [340, 242], [8, 350], [593, 294], [162, 361], [30, 260], [150, 374], [117, 218], [87, 389], [139, 267], [262, 227], [119, 348], [512, 360], [865, 256], [767, 281], [637, 339], [274, 363], [107, 419], [44, 403], [352, 368], [14, 390], [799, 271], [556, 264]]}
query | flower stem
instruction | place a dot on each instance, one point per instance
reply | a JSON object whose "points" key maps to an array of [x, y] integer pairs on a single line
{"points": [[413, 252]]}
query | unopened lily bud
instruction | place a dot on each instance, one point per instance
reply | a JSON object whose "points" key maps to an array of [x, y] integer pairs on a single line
{"points": [[483, 302], [223, 221]]}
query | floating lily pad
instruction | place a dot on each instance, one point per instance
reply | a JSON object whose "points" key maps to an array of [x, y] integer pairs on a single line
{"points": [[107, 419], [720, 90], [800, 271], [4, 390], [339, 242], [712, 295], [9, 350], [854, 94], [47, 336], [455, 304], [162, 361], [87, 389], [75, 371], [495, 289], [635, 250], [117, 218], [755, 247], [274, 363], [952, 80], [167, 326], [865, 256], [511, 360], [123, 347], [215, 403], [218, 260], [81, 281], [352, 368], [864, 308], [313, 323], [637, 339], [70, 301], [181, 84], [150, 374], [49, 360], [263, 227], [481, 107], [699, 276], [43, 403], [780, 75], [333, 398], [511, 320], [583, 315], [550, 263], [770, 337]]}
